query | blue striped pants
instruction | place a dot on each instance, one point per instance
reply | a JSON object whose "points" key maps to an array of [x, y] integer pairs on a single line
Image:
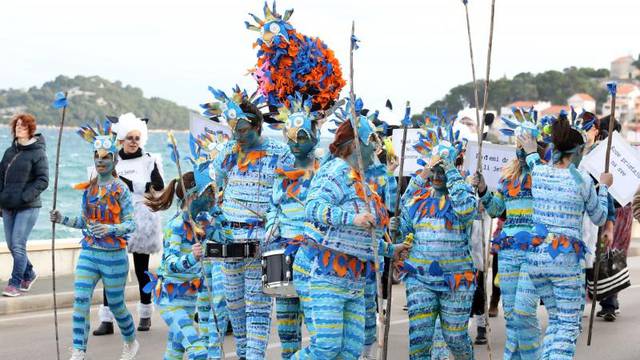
{"points": [[301, 279], [249, 308], [112, 266], [522, 330], [559, 282], [178, 314], [208, 330], [453, 307], [338, 314]]}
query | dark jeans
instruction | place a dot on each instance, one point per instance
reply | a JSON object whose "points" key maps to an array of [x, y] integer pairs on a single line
{"points": [[477, 306], [610, 303], [141, 264], [17, 227], [495, 290]]}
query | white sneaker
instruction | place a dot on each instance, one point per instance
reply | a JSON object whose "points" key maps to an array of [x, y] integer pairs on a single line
{"points": [[130, 350], [77, 354]]}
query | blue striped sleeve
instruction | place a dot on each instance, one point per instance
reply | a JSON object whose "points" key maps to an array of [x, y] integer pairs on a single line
{"points": [[462, 198], [326, 193]]}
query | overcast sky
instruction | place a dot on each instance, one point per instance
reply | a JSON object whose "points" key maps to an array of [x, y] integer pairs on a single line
{"points": [[411, 49]]}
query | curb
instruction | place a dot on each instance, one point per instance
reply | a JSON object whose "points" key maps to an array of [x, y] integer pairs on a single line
{"points": [[28, 303]]}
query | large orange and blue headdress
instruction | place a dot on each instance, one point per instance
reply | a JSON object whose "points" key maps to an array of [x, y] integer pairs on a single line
{"points": [[438, 138], [102, 137], [228, 107], [290, 62]]}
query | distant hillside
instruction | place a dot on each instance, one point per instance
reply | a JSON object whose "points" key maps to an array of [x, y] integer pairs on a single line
{"points": [[553, 86], [92, 98]]}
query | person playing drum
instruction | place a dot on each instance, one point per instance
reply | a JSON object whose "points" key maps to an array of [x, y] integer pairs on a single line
{"points": [[245, 168], [286, 217]]}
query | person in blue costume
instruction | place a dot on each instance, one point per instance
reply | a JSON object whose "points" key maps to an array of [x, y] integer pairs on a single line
{"points": [[286, 216], [180, 284], [440, 278], [341, 245], [246, 170], [514, 197], [562, 194], [106, 222]]}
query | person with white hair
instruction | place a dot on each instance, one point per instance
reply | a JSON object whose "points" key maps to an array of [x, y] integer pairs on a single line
{"points": [[141, 172]]}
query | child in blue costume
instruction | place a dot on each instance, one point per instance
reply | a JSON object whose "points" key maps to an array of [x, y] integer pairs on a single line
{"points": [[212, 304], [286, 217], [107, 218], [440, 279], [513, 195], [245, 168], [342, 247], [561, 196]]}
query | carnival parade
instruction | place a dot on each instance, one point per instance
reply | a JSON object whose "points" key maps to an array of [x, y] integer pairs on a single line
{"points": [[299, 215]]}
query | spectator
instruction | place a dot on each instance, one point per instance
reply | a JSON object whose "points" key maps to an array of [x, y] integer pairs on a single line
{"points": [[24, 174]]}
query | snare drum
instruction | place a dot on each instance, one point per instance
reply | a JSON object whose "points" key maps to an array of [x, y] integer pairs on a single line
{"points": [[277, 274]]}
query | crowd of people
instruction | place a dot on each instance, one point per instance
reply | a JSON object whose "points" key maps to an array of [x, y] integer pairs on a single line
{"points": [[258, 219]]}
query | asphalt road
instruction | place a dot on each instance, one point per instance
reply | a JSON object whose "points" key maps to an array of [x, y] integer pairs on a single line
{"points": [[31, 335]]}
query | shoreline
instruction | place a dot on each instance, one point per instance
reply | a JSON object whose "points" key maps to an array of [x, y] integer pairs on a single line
{"points": [[46, 126]]}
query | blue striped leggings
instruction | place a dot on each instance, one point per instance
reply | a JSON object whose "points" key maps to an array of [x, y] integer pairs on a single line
{"points": [[112, 266], [559, 282], [523, 332], [338, 313], [249, 308], [208, 330], [453, 307], [301, 279], [178, 314]]}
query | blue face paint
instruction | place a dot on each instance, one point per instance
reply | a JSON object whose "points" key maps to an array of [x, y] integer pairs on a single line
{"points": [[104, 163], [202, 203], [438, 179], [368, 153], [303, 146], [246, 135]]}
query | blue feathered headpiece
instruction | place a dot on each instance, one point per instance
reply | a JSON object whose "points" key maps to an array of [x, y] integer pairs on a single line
{"points": [[228, 107], [438, 138], [367, 130], [101, 137], [297, 117], [524, 122]]}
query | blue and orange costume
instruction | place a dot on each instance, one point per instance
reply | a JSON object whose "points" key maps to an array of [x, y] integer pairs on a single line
{"points": [[513, 195], [247, 180], [102, 258], [440, 279], [555, 260]]}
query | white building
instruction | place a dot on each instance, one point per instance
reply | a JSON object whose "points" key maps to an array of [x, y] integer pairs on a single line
{"points": [[582, 101], [622, 68], [627, 103]]}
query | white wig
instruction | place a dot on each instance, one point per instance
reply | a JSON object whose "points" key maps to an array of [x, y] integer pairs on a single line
{"points": [[129, 122]]}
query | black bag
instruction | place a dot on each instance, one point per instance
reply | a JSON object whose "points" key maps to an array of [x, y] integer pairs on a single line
{"points": [[613, 275]]}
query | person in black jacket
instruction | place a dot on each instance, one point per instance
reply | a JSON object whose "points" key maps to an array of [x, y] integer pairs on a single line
{"points": [[24, 174]]}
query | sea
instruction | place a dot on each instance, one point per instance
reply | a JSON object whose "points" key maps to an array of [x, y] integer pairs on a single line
{"points": [[76, 156]]}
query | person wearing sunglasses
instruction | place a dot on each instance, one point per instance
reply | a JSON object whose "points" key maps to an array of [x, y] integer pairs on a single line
{"points": [[142, 173]]}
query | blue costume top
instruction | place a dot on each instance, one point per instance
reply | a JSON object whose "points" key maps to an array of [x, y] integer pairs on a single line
{"points": [[441, 252], [109, 204], [287, 201], [561, 197], [333, 200], [248, 179]]}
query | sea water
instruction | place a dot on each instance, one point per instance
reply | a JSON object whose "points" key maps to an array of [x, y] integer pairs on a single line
{"points": [[76, 156]]}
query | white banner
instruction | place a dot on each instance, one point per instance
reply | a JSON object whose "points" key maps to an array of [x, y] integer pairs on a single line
{"points": [[411, 155], [494, 158], [624, 165], [198, 124]]}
